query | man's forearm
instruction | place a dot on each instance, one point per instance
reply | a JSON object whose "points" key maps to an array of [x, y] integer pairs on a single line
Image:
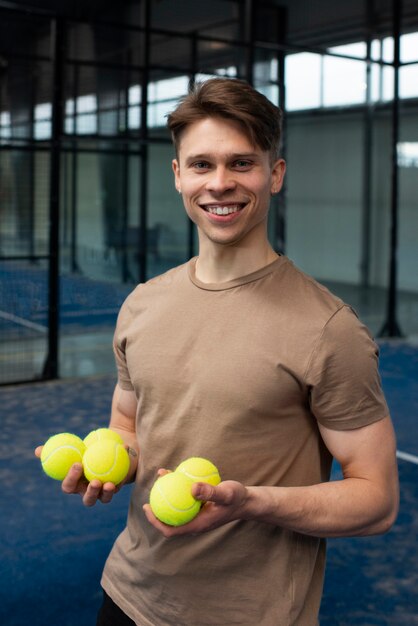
{"points": [[130, 441], [122, 421], [349, 507]]}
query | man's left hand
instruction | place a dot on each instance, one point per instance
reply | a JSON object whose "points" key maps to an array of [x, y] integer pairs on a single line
{"points": [[222, 504]]}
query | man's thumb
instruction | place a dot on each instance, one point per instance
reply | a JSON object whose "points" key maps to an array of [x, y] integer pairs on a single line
{"points": [[206, 492]]}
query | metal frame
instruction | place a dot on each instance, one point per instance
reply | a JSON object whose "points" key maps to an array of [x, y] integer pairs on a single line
{"points": [[122, 145], [391, 326]]}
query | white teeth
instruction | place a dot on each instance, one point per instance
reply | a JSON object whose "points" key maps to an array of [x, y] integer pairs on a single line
{"points": [[225, 210]]}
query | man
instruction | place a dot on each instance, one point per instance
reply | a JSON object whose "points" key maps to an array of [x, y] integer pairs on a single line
{"points": [[239, 357]]}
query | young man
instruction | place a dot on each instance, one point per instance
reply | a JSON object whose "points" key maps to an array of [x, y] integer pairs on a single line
{"points": [[239, 357]]}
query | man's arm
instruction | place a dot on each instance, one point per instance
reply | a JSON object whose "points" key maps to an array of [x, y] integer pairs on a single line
{"points": [[122, 420], [364, 502]]}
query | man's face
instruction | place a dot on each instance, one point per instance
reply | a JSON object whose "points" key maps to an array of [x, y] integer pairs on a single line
{"points": [[226, 182]]}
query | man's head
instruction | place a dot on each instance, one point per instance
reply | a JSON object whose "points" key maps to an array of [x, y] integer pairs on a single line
{"points": [[230, 99]]}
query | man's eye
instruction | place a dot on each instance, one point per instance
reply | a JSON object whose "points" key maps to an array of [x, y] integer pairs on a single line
{"points": [[241, 163], [200, 165]]}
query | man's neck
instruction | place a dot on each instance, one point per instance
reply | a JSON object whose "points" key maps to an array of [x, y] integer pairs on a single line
{"points": [[219, 264]]}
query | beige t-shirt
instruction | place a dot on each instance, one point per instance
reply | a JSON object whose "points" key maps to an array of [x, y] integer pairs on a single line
{"points": [[240, 373]]}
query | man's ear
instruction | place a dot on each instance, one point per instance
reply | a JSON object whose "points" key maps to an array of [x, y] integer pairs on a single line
{"points": [[176, 169], [277, 175]]}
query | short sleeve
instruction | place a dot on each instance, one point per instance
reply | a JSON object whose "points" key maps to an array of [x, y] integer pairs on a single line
{"points": [[343, 375], [119, 348]]}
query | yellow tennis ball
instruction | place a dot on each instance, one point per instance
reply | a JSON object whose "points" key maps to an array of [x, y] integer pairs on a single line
{"points": [[59, 453], [200, 470], [171, 499], [100, 434], [107, 461]]}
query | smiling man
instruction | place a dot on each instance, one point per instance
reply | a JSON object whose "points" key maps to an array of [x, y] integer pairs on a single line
{"points": [[240, 357], [226, 182]]}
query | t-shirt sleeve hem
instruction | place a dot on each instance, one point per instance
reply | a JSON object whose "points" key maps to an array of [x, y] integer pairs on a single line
{"points": [[126, 385], [352, 423]]}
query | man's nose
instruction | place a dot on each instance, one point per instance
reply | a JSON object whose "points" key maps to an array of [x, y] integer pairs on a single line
{"points": [[220, 180]]}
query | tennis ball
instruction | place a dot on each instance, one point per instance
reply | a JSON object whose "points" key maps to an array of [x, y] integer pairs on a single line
{"points": [[107, 461], [171, 499], [100, 434], [200, 470], [59, 453]]}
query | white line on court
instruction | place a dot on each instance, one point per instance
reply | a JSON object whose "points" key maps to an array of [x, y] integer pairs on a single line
{"points": [[88, 312], [19, 320], [405, 456]]}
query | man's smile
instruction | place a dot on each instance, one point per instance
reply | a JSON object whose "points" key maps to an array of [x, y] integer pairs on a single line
{"points": [[223, 208]]}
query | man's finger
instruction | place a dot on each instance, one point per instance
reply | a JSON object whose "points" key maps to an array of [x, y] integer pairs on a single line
{"points": [[70, 484], [108, 492], [162, 471], [167, 531], [92, 493]]}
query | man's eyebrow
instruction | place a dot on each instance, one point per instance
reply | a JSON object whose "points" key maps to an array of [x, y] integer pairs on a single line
{"points": [[233, 156]]}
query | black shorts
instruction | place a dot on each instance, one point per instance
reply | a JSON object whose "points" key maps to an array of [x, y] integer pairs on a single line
{"points": [[111, 615]]}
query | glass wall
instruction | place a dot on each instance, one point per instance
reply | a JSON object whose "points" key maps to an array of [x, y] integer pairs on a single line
{"points": [[340, 173], [24, 205], [118, 218]]}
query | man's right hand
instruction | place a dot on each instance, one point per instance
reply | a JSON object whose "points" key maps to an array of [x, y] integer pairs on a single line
{"points": [[76, 483]]}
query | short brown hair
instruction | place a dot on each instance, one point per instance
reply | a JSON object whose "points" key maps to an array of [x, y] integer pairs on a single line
{"points": [[233, 99]]}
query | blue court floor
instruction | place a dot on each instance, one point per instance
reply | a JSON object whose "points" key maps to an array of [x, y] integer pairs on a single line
{"points": [[53, 549]]}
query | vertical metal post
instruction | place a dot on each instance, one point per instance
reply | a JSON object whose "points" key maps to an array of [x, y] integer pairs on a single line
{"points": [[126, 239], [367, 159], [143, 174], [74, 178], [280, 204], [391, 327], [249, 21], [191, 233], [74, 186], [31, 172], [51, 367]]}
